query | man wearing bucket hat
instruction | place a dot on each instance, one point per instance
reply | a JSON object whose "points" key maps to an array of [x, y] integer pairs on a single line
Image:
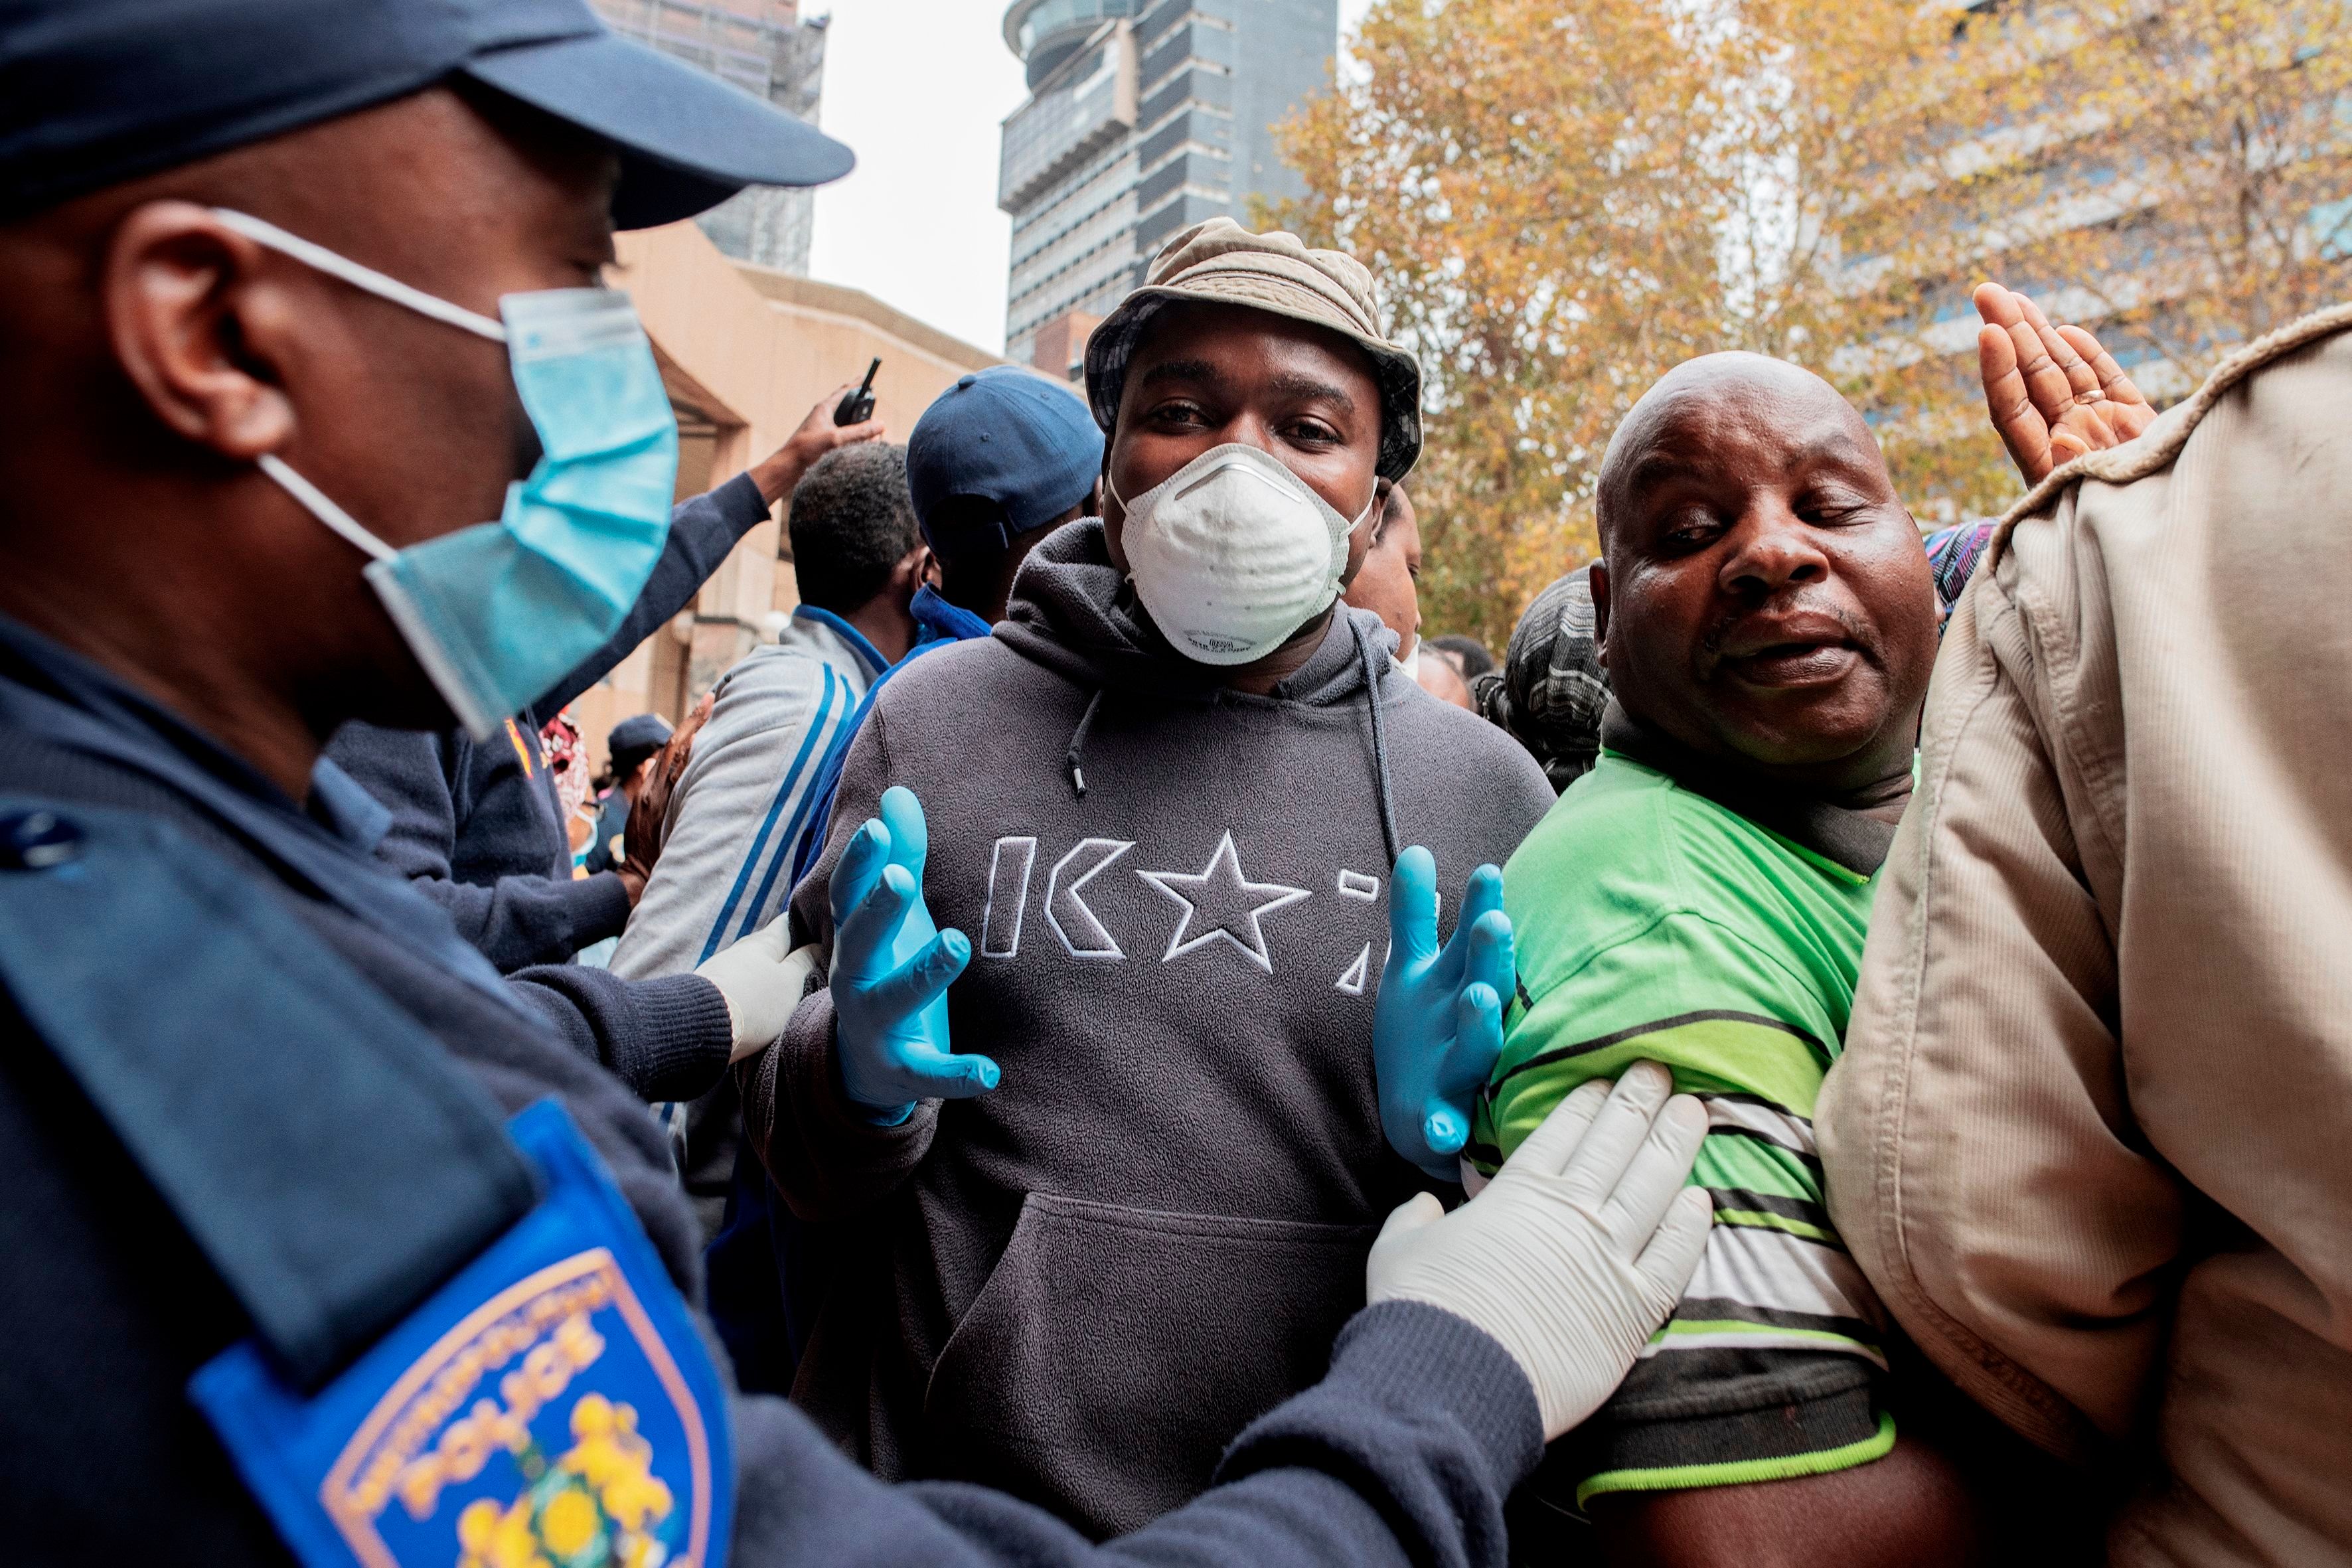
{"points": [[322, 1247], [1160, 807]]}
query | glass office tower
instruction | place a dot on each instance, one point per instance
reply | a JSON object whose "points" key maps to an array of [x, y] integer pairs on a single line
{"points": [[1144, 116]]}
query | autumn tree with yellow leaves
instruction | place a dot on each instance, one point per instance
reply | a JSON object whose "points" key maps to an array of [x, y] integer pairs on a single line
{"points": [[1560, 199]]}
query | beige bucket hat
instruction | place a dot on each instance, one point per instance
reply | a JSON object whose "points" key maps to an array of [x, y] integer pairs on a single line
{"points": [[1219, 260]]}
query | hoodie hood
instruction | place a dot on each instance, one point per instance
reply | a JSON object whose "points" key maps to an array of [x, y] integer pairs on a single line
{"points": [[1074, 612]]}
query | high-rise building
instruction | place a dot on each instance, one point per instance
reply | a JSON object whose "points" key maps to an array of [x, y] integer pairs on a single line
{"points": [[763, 48], [1143, 116]]}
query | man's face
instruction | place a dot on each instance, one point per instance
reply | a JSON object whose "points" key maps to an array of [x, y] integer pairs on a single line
{"points": [[1386, 582], [1763, 596], [531, 211], [194, 350], [1208, 375]]}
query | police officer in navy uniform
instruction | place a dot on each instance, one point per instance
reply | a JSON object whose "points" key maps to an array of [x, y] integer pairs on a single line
{"points": [[321, 1246]]}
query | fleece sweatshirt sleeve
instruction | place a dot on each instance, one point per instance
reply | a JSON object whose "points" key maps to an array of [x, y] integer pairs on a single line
{"points": [[666, 1039], [515, 921], [1403, 1455], [825, 1156], [827, 1160], [701, 531]]}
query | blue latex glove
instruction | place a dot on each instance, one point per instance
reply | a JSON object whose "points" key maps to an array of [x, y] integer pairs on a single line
{"points": [[1437, 1028], [891, 968]]}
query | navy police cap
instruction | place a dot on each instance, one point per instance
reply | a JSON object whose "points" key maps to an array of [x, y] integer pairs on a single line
{"points": [[94, 92], [1004, 436]]}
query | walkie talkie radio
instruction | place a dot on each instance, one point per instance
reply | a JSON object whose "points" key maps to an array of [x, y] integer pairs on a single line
{"points": [[857, 408]]}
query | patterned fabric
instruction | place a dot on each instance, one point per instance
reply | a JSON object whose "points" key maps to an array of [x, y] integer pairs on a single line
{"points": [[567, 763], [1550, 692], [1654, 921], [1952, 557]]}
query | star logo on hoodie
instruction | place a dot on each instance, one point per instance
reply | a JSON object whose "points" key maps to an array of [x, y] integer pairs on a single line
{"points": [[1221, 903]]}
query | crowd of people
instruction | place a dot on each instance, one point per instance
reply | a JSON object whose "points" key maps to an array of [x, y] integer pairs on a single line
{"points": [[1100, 1042]]}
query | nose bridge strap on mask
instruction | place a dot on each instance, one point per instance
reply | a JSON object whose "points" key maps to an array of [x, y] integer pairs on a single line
{"points": [[366, 278]]}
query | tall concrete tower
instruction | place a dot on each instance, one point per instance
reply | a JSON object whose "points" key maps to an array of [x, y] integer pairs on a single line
{"points": [[1143, 116]]}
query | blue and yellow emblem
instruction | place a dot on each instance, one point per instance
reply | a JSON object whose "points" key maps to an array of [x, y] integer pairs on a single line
{"points": [[551, 1406]]}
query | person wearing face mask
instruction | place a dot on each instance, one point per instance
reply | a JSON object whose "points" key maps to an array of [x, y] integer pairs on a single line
{"points": [[323, 1247], [1112, 1190], [1388, 584]]}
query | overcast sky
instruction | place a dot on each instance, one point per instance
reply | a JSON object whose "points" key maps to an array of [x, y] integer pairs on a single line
{"points": [[919, 88]]}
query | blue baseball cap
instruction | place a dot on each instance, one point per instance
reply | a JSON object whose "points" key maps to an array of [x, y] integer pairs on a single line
{"points": [[1006, 436], [635, 739], [95, 93]]}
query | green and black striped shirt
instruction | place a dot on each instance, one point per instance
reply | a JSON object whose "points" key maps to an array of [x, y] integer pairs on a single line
{"points": [[1653, 921]]}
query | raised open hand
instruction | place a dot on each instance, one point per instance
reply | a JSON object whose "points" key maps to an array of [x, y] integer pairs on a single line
{"points": [[891, 970], [1437, 1026], [2053, 391]]}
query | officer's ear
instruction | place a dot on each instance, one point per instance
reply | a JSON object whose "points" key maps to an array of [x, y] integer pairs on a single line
{"points": [[197, 316]]}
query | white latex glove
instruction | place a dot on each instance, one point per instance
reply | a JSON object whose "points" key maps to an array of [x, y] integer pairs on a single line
{"points": [[761, 982], [1576, 1251]]}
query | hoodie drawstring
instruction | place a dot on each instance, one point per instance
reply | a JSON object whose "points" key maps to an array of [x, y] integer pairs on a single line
{"points": [[1373, 660], [1078, 743]]}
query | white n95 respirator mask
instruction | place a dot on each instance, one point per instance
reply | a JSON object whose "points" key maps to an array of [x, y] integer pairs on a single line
{"points": [[1233, 553]]}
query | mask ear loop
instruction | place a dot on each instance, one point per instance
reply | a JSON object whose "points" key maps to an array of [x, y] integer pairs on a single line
{"points": [[321, 505], [365, 279]]}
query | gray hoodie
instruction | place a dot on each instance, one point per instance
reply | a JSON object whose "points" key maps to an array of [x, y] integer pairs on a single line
{"points": [[1082, 1285]]}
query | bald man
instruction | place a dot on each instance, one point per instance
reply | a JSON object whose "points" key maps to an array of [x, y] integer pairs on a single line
{"points": [[1768, 623]]}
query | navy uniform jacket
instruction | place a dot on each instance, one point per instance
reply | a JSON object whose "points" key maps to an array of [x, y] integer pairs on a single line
{"points": [[109, 1306], [477, 826]]}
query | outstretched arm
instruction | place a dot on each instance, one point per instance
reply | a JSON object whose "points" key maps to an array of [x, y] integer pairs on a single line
{"points": [[515, 920], [701, 531], [828, 1154], [1491, 1328]]}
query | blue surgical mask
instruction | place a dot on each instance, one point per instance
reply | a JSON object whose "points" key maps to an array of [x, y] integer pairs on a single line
{"points": [[499, 612]]}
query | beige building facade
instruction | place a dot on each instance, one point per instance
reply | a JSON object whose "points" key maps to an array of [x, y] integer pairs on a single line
{"points": [[745, 351]]}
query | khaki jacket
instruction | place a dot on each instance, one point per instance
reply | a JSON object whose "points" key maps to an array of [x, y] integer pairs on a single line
{"points": [[2092, 1134]]}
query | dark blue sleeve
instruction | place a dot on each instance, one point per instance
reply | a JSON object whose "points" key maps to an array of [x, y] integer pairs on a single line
{"points": [[701, 531], [514, 922], [665, 1038], [1403, 1455]]}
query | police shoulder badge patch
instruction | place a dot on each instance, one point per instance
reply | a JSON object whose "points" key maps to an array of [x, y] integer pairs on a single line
{"points": [[551, 1406]]}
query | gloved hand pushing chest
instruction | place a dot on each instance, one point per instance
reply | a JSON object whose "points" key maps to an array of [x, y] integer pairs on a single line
{"points": [[891, 970]]}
